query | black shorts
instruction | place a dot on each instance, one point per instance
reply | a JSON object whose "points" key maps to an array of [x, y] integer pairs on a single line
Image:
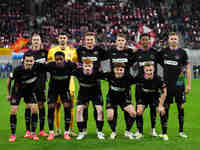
{"points": [[96, 99], [178, 94], [138, 91], [18, 93], [146, 99], [149, 99], [40, 94], [53, 96], [121, 99]]}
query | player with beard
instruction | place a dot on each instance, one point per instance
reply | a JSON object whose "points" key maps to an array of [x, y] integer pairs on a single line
{"points": [[97, 55], [40, 56], [174, 61], [25, 77], [121, 54], [71, 55], [143, 55], [89, 90]]}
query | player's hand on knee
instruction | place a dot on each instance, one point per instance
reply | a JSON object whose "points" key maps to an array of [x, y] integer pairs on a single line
{"points": [[161, 110], [72, 94], [9, 98], [187, 89]]}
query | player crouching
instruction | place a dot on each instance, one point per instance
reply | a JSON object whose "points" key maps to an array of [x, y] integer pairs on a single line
{"points": [[60, 72], [25, 79], [89, 90], [119, 87]]}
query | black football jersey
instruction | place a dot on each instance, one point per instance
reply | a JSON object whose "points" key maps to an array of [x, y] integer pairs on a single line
{"points": [[145, 56], [25, 78], [123, 56], [97, 55], [150, 86], [40, 56], [60, 75], [119, 84], [88, 83], [173, 62]]}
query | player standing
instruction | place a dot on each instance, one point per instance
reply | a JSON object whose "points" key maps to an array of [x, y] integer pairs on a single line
{"points": [[121, 54], [143, 55], [97, 55], [71, 55], [40, 56], [175, 59]]}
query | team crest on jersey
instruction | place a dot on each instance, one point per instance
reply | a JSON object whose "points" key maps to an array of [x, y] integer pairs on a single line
{"points": [[177, 57], [96, 52], [165, 55], [139, 57], [83, 52], [152, 56], [126, 54]]}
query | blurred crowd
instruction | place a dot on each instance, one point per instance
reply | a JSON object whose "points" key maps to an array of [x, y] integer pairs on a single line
{"points": [[104, 17]]}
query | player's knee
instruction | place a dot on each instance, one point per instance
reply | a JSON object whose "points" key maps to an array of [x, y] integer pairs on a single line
{"points": [[132, 113], [27, 106], [34, 108], [99, 113], [110, 114], [13, 110], [181, 106], [79, 110], [139, 113]]}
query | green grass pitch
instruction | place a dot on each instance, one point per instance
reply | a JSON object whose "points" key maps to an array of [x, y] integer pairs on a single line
{"points": [[192, 128]]}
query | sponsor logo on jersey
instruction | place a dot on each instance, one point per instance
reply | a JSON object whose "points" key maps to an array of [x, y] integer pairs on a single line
{"points": [[120, 60], [42, 60], [142, 63], [60, 77], [92, 58], [96, 52], [29, 81], [118, 89], [171, 62]]}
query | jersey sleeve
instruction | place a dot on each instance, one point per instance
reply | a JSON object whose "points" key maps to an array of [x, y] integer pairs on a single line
{"points": [[76, 72], [13, 74], [78, 52], [185, 58], [161, 83], [50, 55], [74, 55]]}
